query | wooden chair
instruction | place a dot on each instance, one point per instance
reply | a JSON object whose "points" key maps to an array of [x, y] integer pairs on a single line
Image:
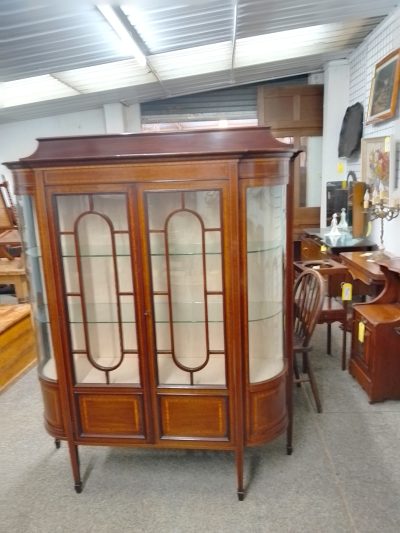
{"points": [[333, 308], [308, 301]]}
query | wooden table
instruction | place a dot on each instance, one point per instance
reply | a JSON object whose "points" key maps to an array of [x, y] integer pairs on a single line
{"points": [[17, 345], [13, 273], [363, 267], [314, 238]]}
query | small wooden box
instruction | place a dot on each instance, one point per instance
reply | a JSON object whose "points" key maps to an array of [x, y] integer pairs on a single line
{"points": [[17, 343]]}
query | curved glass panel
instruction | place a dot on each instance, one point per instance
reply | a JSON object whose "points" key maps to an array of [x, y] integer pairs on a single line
{"points": [[265, 249], [38, 298]]}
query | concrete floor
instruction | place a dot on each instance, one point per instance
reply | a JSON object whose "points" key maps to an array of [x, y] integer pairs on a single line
{"points": [[343, 476]]}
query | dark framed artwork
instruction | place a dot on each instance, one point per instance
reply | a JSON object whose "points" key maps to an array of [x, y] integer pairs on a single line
{"points": [[384, 88]]}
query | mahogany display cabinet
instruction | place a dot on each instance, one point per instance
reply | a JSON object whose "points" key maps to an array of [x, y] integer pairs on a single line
{"points": [[161, 285]]}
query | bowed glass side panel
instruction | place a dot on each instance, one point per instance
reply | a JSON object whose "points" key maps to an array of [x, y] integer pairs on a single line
{"points": [[265, 223], [98, 281], [185, 241], [27, 224]]}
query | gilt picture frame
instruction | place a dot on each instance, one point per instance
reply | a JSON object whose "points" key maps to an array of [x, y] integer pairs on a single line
{"points": [[384, 88], [378, 160]]}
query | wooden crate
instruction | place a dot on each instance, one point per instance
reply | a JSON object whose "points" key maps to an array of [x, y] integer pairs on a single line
{"points": [[17, 343]]}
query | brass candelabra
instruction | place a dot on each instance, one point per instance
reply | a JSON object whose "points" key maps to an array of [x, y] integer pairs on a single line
{"points": [[383, 212]]}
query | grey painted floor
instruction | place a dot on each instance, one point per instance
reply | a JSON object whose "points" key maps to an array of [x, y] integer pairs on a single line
{"points": [[344, 474]]}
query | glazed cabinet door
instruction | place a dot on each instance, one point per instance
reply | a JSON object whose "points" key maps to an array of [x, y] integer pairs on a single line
{"points": [[186, 250], [94, 236]]}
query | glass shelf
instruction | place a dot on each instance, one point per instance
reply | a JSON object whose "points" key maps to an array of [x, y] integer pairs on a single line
{"points": [[192, 249], [260, 247], [184, 313], [259, 311], [33, 252]]}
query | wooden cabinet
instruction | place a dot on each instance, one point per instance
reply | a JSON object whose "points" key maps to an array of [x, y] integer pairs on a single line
{"points": [[375, 361], [311, 249], [291, 109], [158, 266]]}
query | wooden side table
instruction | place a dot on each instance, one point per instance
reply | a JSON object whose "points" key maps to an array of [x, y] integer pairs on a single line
{"points": [[363, 268], [13, 273]]}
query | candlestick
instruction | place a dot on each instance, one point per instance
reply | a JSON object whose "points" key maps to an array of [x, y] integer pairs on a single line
{"points": [[366, 199], [383, 212], [381, 191]]}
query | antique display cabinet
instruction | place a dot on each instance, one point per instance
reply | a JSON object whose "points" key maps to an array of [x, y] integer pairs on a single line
{"points": [[161, 286]]}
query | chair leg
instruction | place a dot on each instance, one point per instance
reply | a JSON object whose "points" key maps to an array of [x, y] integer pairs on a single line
{"points": [[329, 339], [313, 384], [305, 364], [296, 370]]}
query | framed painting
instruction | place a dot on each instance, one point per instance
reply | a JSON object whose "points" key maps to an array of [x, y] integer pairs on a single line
{"points": [[384, 88], [378, 158]]}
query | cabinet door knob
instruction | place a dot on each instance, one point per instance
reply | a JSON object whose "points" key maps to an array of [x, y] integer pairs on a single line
{"points": [[397, 330]]}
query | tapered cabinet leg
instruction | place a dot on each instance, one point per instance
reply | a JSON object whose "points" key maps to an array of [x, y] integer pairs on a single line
{"points": [[74, 455], [239, 470], [57, 443]]}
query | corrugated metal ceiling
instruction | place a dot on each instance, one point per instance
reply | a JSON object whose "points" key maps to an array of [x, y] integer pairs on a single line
{"points": [[192, 46]]}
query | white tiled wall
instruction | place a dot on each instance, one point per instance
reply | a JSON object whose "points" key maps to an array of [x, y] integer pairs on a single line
{"points": [[384, 39]]}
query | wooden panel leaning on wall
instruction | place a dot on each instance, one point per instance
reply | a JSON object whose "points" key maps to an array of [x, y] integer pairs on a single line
{"points": [[295, 112]]}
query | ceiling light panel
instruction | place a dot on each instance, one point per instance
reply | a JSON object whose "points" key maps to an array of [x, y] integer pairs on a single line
{"points": [[106, 77], [35, 89], [129, 43], [193, 61], [295, 43], [49, 36], [258, 17], [166, 26]]}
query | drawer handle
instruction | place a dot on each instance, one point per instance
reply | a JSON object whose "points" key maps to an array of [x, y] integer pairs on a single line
{"points": [[397, 330]]}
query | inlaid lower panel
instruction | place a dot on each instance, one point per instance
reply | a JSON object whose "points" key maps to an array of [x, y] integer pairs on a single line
{"points": [[194, 416], [111, 414], [267, 416], [52, 408]]}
